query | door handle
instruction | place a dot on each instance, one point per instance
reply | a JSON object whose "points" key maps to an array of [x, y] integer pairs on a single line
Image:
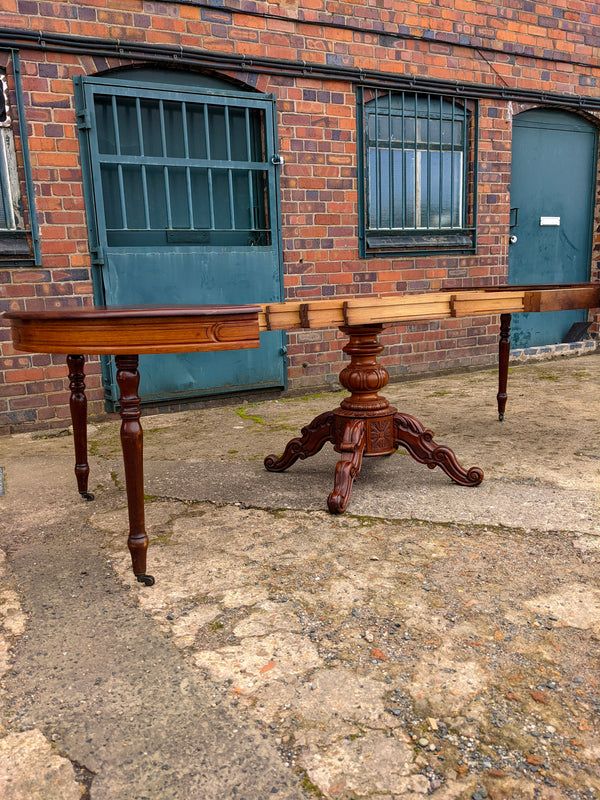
{"points": [[512, 239]]}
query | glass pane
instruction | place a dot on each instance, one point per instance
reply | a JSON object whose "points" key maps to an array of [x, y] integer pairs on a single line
{"points": [[238, 134], [378, 187], [241, 200], [260, 196], [11, 212], [134, 196], [150, 117], [429, 131], [409, 191], [371, 122], [257, 138], [111, 195], [156, 197], [105, 128], [424, 188], [397, 135], [452, 132], [128, 127], [453, 190], [220, 181], [383, 128], [447, 129], [4, 199], [217, 133], [200, 198], [173, 116], [196, 131], [440, 185], [180, 217], [395, 209], [409, 131]]}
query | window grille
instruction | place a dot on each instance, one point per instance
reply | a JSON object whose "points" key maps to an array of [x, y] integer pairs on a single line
{"points": [[182, 171], [416, 171]]}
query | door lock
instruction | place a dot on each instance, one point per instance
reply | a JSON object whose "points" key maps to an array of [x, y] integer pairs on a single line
{"points": [[512, 239]]}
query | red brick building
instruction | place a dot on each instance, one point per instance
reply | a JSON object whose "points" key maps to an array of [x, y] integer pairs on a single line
{"points": [[238, 151]]}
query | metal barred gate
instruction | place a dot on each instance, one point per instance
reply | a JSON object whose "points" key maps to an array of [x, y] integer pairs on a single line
{"points": [[182, 201]]}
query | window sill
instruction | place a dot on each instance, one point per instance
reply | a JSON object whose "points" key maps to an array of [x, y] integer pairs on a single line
{"points": [[391, 244], [15, 249]]}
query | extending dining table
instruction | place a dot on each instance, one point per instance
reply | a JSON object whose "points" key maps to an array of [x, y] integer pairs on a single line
{"points": [[363, 425]]}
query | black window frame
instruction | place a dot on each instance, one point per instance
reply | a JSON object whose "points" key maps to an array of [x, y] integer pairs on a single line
{"points": [[409, 140]]}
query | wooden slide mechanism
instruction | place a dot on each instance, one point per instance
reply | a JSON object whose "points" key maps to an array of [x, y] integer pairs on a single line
{"points": [[398, 309]]}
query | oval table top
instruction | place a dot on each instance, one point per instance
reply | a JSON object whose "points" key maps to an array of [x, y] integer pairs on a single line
{"points": [[116, 330]]}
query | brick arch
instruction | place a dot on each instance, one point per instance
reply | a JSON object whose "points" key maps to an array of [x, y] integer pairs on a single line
{"points": [[161, 73]]}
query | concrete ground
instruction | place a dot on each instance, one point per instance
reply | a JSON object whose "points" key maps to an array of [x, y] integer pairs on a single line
{"points": [[433, 640]]}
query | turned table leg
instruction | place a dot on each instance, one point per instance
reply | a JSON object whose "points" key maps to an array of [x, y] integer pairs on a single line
{"points": [[503, 358], [78, 407], [128, 379]]}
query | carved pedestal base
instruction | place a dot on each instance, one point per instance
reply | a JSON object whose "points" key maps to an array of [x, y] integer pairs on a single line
{"points": [[366, 425]]}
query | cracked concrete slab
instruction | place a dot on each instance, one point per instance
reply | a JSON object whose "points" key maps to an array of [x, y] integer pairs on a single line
{"points": [[434, 640], [30, 768]]}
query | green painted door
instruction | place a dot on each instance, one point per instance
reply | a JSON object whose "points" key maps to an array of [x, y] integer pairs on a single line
{"points": [[551, 197], [183, 202]]}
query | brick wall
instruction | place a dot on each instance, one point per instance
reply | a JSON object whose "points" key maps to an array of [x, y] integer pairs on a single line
{"points": [[526, 47]]}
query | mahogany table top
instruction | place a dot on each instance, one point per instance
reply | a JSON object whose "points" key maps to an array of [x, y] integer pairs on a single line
{"points": [[114, 330]]}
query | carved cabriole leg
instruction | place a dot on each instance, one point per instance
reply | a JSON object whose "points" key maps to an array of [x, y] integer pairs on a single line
{"points": [[503, 358], [410, 434], [128, 379], [78, 407], [348, 467], [314, 436]]}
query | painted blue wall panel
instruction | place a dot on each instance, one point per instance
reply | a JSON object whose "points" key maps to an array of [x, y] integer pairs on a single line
{"points": [[211, 277]]}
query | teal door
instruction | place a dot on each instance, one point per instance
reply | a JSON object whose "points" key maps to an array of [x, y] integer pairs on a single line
{"points": [[182, 200], [551, 197]]}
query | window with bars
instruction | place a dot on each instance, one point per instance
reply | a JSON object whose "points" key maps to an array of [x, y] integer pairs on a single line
{"points": [[14, 240], [418, 173], [182, 171]]}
